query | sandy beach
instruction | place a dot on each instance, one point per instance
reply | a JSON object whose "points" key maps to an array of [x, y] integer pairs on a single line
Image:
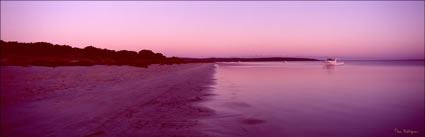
{"points": [[104, 100]]}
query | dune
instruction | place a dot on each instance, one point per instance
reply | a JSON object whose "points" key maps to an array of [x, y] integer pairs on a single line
{"points": [[161, 100]]}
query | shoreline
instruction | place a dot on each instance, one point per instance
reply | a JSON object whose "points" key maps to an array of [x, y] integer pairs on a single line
{"points": [[105, 100]]}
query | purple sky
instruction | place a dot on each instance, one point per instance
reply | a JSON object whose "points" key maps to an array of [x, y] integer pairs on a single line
{"points": [[348, 29]]}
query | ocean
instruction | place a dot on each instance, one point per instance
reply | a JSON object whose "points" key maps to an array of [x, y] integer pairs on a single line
{"points": [[310, 99]]}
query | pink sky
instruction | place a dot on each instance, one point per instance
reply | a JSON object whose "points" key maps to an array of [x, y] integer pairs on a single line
{"points": [[350, 29]]}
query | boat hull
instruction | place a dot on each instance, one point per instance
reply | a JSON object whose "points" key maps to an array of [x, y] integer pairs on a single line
{"points": [[334, 63]]}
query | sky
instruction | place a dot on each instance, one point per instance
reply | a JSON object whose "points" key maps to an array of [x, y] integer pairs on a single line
{"points": [[344, 29]]}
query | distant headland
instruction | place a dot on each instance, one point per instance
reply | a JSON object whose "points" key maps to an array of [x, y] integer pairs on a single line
{"points": [[46, 54], [248, 59]]}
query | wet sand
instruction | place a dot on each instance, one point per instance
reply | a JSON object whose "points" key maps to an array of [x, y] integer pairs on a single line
{"points": [[104, 100]]}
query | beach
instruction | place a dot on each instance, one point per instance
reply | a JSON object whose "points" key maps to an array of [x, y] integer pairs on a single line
{"points": [[104, 100]]}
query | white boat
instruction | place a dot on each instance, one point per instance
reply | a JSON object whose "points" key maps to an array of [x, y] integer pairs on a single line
{"points": [[333, 62]]}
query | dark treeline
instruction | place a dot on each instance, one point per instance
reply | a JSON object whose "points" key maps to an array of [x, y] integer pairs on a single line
{"points": [[47, 54], [247, 59]]}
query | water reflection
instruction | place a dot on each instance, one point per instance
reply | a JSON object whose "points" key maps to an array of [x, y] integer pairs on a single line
{"points": [[302, 99], [329, 68]]}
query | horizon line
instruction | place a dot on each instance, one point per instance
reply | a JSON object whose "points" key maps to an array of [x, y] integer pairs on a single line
{"points": [[272, 56]]}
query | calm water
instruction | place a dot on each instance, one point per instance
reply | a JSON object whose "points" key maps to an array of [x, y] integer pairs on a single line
{"points": [[306, 99]]}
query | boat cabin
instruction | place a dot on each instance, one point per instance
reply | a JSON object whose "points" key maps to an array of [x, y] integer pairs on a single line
{"points": [[330, 59]]}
